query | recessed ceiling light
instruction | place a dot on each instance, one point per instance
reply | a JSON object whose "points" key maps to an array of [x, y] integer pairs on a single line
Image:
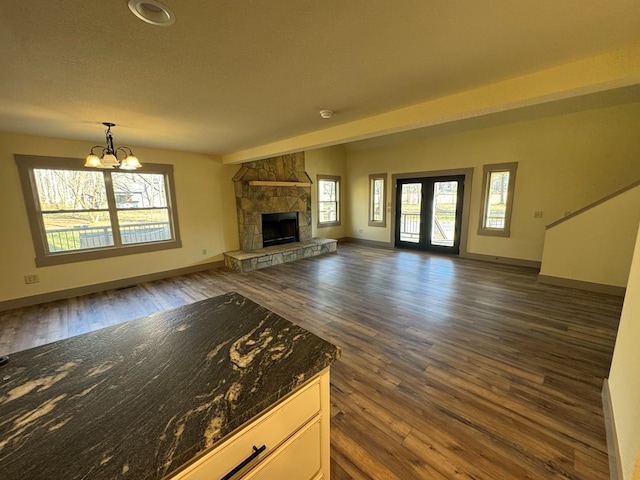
{"points": [[153, 12]]}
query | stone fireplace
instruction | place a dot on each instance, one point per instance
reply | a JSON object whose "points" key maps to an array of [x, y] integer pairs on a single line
{"points": [[273, 198], [277, 185]]}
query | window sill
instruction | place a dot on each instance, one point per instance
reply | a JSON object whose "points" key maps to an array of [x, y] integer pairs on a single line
{"points": [[328, 224], [62, 258], [494, 232]]}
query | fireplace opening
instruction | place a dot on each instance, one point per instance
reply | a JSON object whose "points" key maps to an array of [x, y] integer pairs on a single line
{"points": [[279, 228]]}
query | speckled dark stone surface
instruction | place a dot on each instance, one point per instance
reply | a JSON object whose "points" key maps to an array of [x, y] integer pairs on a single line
{"points": [[140, 399]]}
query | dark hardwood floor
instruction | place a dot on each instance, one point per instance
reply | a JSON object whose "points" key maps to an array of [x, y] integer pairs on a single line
{"points": [[450, 368]]}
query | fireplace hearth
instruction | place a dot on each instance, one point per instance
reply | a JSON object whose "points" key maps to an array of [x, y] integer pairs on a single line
{"points": [[279, 228], [240, 261]]}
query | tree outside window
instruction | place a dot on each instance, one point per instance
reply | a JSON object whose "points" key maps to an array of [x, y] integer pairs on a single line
{"points": [[377, 199], [497, 199], [328, 200], [78, 213]]}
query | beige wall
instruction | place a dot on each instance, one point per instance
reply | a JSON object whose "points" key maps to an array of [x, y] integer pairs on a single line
{"points": [[597, 245], [327, 161], [206, 212], [624, 377], [565, 162]]}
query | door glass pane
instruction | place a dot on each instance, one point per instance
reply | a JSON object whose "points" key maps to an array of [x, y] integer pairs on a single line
{"points": [[497, 200], [411, 203], [443, 221]]}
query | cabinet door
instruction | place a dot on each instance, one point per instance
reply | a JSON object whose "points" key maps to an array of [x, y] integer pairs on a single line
{"points": [[298, 458]]}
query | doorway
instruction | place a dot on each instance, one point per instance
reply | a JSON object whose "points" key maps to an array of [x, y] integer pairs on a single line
{"points": [[429, 213]]}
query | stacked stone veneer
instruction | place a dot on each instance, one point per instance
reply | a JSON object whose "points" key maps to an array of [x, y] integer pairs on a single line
{"points": [[252, 201], [247, 261]]}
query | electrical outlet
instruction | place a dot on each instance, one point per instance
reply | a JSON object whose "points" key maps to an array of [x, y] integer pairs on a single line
{"points": [[31, 279], [204, 251], [537, 214]]}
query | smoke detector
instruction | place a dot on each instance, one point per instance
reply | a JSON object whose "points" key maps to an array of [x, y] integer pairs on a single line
{"points": [[326, 113]]}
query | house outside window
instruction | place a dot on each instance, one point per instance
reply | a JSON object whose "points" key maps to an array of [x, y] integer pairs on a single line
{"points": [[497, 199], [77, 213], [377, 198], [328, 200]]}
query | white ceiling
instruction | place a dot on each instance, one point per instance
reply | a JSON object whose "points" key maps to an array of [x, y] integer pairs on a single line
{"points": [[230, 75]]}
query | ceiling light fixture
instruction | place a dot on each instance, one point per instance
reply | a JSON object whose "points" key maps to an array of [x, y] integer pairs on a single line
{"points": [[326, 113], [153, 12], [109, 156]]}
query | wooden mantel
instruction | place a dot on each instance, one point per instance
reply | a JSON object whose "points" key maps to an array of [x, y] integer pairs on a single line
{"points": [[269, 183]]}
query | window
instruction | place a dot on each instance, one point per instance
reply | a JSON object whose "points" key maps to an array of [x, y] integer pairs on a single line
{"points": [[377, 198], [328, 200], [77, 213], [497, 199]]}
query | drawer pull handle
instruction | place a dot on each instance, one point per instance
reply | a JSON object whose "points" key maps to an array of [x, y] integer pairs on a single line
{"points": [[256, 451]]}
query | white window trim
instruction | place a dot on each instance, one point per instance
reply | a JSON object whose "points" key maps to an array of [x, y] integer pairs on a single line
{"points": [[27, 163]]}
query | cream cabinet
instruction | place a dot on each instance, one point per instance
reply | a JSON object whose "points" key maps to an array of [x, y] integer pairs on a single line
{"points": [[289, 441]]}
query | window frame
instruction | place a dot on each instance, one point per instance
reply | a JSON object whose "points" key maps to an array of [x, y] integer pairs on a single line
{"points": [[487, 170], [373, 178], [26, 166], [337, 180]]}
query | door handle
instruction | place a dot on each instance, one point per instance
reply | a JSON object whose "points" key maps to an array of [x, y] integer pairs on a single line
{"points": [[256, 451]]}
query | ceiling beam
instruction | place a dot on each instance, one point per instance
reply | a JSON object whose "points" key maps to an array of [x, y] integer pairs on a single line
{"points": [[615, 69]]}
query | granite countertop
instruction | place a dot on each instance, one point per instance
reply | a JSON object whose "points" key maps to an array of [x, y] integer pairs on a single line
{"points": [[140, 399]]}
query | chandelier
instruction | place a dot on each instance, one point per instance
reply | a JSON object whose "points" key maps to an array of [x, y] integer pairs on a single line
{"points": [[108, 156]]}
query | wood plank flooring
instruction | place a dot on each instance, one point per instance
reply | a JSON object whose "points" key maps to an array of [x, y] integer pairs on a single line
{"points": [[450, 368]]}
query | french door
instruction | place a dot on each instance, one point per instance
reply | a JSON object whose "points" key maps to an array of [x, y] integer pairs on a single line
{"points": [[429, 213]]}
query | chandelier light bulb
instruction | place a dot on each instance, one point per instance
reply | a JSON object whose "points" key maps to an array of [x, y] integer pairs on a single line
{"points": [[132, 162], [93, 161]]}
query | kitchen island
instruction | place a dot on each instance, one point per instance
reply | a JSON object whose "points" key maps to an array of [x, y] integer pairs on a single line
{"points": [[145, 398]]}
